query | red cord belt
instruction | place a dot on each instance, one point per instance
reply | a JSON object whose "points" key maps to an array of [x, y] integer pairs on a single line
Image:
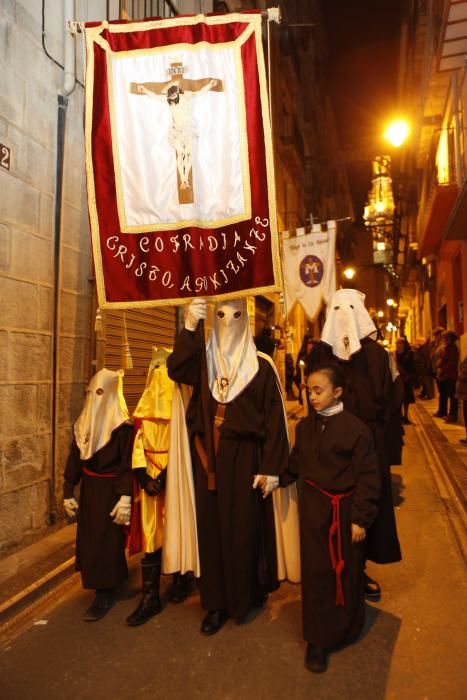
{"points": [[88, 472], [337, 561]]}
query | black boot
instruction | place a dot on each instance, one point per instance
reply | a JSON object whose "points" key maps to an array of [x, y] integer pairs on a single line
{"points": [[150, 603], [180, 588], [100, 606], [316, 659]]}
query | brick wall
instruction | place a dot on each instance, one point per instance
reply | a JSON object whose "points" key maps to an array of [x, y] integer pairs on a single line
{"points": [[28, 125]]}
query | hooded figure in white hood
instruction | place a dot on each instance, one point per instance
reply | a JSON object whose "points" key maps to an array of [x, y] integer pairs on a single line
{"points": [[242, 405], [100, 458], [349, 339], [347, 323]]}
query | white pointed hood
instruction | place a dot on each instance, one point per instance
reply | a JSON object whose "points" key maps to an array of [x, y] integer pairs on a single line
{"points": [[347, 323], [231, 353], [104, 410]]}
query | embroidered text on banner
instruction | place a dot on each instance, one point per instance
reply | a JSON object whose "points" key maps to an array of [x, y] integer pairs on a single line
{"points": [[179, 160]]}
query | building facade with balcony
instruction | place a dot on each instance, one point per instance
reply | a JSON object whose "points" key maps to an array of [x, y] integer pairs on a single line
{"points": [[433, 85]]}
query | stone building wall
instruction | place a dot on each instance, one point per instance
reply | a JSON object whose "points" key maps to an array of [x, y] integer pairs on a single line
{"points": [[28, 126]]}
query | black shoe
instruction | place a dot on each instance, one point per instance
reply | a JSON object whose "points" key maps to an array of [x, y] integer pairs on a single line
{"points": [[150, 603], [451, 419], [100, 606], [316, 659], [372, 589], [261, 600], [463, 441], [180, 588], [439, 415], [258, 604], [213, 622]]}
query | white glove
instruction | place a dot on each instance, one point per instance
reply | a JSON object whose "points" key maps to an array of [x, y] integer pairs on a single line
{"points": [[267, 483], [122, 511], [71, 506], [196, 311]]}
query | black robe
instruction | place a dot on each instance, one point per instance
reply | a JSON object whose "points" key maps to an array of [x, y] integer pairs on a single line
{"points": [[100, 544], [408, 373], [337, 454], [368, 394], [236, 533]]}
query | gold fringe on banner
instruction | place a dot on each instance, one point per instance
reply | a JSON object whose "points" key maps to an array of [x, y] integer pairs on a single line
{"points": [[127, 360]]}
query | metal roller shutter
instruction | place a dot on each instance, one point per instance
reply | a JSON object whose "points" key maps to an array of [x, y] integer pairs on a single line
{"points": [[145, 328]]}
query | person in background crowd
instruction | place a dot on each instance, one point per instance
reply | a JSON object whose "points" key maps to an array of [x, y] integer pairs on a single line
{"points": [[406, 365], [447, 377], [461, 393], [394, 430], [307, 346], [436, 347], [265, 342], [289, 377], [423, 365]]}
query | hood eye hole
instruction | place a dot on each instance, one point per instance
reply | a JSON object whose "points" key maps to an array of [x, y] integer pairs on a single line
{"points": [[351, 306], [336, 308], [99, 391], [220, 314], [237, 314]]}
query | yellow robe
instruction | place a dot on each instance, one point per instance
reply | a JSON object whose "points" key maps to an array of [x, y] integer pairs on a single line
{"points": [[150, 450]]}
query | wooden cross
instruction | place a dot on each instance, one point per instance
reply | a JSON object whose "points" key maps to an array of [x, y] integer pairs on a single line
{"points": [[177, 93]]}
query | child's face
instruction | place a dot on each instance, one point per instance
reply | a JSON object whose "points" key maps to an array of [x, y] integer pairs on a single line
{"points": [[321, 392]]}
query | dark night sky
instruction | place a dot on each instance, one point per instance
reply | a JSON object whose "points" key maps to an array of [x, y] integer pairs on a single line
{"points": [[363, 46], [362, 69]]}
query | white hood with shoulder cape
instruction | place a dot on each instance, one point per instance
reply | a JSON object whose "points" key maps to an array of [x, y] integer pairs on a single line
{"points": [[230, 351], [104, 410], [347, 323]]}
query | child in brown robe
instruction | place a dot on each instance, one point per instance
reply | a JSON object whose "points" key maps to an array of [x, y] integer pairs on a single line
{"points": [[335, 458]]}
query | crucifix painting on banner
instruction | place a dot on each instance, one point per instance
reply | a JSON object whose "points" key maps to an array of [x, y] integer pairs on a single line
{"points": [[179, 160]]}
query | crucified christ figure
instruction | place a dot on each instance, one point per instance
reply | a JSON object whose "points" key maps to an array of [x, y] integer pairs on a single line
{"points": [[178, 95]]}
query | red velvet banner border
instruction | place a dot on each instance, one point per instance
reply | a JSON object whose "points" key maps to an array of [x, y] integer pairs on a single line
{"points": [[170, 267]]}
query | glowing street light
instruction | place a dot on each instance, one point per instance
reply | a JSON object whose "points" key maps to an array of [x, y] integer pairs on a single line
{"points": [[390, 302], [380, 314], [397, 132], [349, 273]]}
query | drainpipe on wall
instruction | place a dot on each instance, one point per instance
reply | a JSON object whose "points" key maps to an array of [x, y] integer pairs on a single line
{"points": [[457, 129], [69, 84]]}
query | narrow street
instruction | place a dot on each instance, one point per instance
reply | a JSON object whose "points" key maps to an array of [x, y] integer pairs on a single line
{"points": [[414, 645]]}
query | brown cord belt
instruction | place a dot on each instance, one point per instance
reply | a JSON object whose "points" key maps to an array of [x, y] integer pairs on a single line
{"points": [[200, 449]]}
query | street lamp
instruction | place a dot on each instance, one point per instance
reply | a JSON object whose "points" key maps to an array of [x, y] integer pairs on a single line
{"points": [[390, 302], [397, 132], [349, 273]]}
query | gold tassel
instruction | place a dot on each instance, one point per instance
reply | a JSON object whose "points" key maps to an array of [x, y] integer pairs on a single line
{"points": [[98, 328], [127, 360]]}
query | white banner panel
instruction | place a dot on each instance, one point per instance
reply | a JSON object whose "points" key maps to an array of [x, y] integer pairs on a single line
{"points": [[310, 270]]}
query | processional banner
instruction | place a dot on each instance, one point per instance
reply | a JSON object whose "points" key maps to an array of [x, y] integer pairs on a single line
{"points": [[310, 269], [179, 160]]}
